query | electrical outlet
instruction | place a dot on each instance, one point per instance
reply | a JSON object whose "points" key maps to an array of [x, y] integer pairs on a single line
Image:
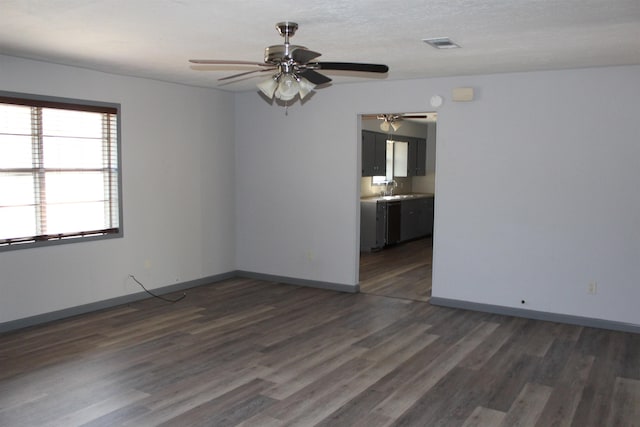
{"points": [[592, 288]]}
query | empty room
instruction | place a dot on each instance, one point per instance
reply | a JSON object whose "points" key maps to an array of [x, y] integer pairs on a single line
{"points": [[210, 213]]}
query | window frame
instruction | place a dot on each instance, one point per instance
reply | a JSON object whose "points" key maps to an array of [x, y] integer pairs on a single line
{"points": [[45, 101]]}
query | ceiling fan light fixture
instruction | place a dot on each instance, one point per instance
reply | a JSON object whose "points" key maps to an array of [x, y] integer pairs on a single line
{"points": [[268, 86], [288, 60], [288, 87], [305, 87], [390, 121]]}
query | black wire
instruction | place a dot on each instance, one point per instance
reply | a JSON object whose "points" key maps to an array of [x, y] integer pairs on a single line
{"points": [[158, 296]]}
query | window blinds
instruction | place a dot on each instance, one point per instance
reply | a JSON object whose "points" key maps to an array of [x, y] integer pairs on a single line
{"points": [[58, 171]]}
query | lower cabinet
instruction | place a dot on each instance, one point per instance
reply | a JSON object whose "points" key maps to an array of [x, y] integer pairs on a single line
{"points": [[384, 223], [416, 218]]}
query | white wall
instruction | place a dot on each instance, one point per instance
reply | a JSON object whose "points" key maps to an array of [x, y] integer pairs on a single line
{"points": [[537, 194], [536, 187], [178, 182]]}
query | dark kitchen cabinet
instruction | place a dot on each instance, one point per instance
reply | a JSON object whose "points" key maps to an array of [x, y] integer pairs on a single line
{"points": [[417, 218], [393, 223], [417, 157], [374, 154], [385, 222], [426, 217], [409, 217]]}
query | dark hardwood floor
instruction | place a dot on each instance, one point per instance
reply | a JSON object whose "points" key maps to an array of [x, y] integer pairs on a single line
{"points": [[252, 353], [401, 271]]}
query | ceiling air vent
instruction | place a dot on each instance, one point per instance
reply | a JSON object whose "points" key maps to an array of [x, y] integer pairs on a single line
{"points": [[441, 43]]}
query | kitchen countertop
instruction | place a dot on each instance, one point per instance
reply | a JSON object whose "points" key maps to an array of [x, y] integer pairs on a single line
{"points": [[397, 197]]}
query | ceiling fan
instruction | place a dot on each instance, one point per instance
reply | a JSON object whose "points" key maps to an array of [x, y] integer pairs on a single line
{"points": [[393, 120], [294, 71]]}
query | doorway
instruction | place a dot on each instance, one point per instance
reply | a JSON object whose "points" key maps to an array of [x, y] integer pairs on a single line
{"points": [[387, 267]]}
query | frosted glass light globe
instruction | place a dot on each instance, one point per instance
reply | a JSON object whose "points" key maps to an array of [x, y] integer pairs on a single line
{"points": [[287, 88]]}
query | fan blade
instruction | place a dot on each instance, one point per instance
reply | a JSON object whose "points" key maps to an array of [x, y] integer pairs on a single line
{"points": [[302, 56], [227, 62], [314, 77], [352, 66], [245, 73]]}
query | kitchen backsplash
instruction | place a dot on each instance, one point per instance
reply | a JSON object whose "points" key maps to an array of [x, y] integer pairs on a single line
{"points": [[417, 184], [368, 190]]}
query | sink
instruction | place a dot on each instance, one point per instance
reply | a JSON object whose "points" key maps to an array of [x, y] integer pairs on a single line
{"points": [[396, 197]]}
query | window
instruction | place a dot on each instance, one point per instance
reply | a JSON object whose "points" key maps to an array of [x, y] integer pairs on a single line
{"points": [[59, 170], [397, 153]]}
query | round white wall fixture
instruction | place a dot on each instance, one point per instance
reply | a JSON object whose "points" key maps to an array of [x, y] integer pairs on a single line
{"points": [[436, 101]]}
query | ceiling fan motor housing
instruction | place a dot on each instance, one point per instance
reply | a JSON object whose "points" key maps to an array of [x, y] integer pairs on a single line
{"points": [[279, 53]]}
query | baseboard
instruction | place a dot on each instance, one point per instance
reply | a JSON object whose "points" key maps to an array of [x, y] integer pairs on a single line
{"points": [[125, 299], [299, 282], [537, 315], [112, 302]]}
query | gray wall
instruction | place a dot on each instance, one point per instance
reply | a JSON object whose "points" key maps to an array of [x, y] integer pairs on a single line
{"points": [[178, 182], [535, 187]]}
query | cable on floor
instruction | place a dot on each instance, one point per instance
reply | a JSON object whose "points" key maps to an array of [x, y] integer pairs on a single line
{"points": [[158, 296]]}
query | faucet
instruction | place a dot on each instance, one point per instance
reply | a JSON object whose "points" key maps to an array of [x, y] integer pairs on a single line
{"points": [[394, 184]]}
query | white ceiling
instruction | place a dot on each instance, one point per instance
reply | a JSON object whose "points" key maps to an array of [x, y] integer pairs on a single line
{"points": [[155, 38]]}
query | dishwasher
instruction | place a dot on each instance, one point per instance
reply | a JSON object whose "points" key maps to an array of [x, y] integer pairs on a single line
{"points": [[379, 224], [392, 222]]}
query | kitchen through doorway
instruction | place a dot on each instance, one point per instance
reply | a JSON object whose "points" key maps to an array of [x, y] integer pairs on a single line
{"points": [[397, 198]]}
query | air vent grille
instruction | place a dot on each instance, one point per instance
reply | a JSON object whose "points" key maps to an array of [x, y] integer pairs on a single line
{"points": [[441, 43]]}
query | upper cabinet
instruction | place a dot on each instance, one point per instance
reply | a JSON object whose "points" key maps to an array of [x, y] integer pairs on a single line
{"points": [[409, 155], [417, 157], [374, 153]]}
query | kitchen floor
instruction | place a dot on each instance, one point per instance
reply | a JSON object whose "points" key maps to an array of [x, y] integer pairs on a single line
{"points": [[400, 271]]}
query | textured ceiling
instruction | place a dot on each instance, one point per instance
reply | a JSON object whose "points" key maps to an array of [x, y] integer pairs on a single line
{"points": [[155, 38]]}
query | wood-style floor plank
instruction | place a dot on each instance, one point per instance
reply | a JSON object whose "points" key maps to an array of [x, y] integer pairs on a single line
{"points": [[624, 402], [528, 406], [484, 417], [426, 377], [254, 353], [567, 392], [400, 271]]}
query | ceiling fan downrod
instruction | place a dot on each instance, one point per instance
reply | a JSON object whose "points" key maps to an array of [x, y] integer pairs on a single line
{"points": [[287, 29]]}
